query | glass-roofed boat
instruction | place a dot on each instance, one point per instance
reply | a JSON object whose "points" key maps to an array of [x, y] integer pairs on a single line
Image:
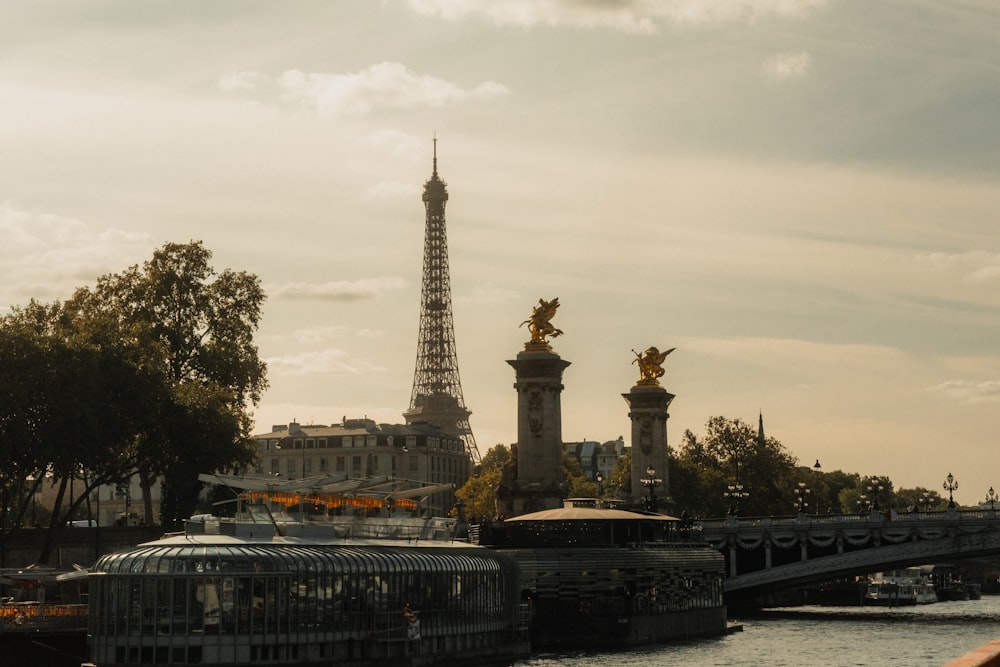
{"points": [[345, 586]]}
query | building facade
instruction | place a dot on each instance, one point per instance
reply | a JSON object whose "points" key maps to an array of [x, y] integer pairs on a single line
{"points": [[359, 448]]}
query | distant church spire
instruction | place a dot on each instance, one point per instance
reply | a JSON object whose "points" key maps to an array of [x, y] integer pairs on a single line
{"points": [[437, 389], [760, 430]]}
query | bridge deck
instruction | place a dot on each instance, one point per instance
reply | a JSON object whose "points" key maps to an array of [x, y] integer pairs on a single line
{"points": [[769, 553]]}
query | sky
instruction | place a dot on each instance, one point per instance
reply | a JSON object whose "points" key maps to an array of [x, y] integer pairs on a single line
{"points": [[801, 196]]}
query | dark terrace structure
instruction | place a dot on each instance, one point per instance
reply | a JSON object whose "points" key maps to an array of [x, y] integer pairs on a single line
{"points": [[437, 389]]}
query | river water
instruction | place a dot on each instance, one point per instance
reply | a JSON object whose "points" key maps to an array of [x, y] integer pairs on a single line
{"points": [[813, 636]]}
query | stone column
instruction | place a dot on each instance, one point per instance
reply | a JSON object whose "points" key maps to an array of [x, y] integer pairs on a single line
{"points": [[648, 412], [538, 483]]}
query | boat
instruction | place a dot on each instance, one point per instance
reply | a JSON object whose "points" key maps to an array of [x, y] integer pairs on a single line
{"points": [[600, 577], [974, 590], [948, 584], [360, 588], [43, 616], [901, 587]]}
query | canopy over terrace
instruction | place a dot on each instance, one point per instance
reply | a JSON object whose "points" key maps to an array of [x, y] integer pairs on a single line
{"points": [[331, 490]]}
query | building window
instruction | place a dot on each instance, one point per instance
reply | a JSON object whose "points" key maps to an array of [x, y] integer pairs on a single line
{"points": [[323, 465], [340, 464], [307, 466], [310, 443], [290, 467], [298, 443], [356, 465], [370, 441], [321, 443], [275, 466]]}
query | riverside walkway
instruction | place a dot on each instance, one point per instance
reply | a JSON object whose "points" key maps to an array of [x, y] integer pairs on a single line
{"points": [[771, 553]]}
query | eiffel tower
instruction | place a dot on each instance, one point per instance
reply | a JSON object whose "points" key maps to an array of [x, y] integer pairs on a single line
{"points": [[437, 389]]}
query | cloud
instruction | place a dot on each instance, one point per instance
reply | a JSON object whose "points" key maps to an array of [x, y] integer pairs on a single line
{"points": [[385, 85], [318, 334], [343, 290], [965, 391], [242, 81], [370, 333], [330, 362], [397, 143], [976, 266], [623, 15], [52, 255], [491, 293], [784, 66], [391, 190]]}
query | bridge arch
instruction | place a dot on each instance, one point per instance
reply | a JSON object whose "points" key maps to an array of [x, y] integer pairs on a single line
{"points": [[773, 553]]}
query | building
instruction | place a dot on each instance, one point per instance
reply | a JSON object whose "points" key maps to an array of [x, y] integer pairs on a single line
{"points": [[595, 456], [359, 448]]}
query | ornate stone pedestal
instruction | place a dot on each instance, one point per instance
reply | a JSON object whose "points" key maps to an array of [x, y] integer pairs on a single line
{"points": [[538, 482], [648, 411]]}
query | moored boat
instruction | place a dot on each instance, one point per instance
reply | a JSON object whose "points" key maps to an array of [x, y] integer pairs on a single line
{"points": [[600, 578], [352, 590], [909, 586], [43, 616]]}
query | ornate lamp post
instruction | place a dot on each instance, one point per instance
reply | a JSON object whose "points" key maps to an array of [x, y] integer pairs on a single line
{"points": [[991, 497], [651, 481], [599, 478], [801, 496], [950, 484], [735, 492], [864, 503], [876, 491]]}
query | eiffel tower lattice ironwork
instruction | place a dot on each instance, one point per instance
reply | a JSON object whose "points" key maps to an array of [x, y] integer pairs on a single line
{"points": [[437, 389]]}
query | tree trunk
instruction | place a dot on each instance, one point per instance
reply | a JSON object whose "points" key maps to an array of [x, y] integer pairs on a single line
{"points": [[54, 523], [146, 481]]}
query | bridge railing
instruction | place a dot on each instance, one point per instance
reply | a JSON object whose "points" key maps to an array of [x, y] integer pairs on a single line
{"points": [[751, 522]]}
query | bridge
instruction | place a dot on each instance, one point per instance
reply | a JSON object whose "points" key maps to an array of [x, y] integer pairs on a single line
{"points": [[772, 553]]}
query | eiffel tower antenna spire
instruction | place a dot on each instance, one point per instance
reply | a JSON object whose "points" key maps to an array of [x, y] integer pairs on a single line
{"points": [[437, 388]]}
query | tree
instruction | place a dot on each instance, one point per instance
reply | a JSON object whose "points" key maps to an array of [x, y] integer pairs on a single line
{"points": [[619, 483], [733, 453], [479, 493], [70, 407], [919, 499], [871, 493], [575, 482], [179, 320]]}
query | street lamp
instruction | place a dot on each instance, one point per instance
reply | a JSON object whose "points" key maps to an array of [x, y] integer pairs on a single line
{"points": [[925, 500], [801, 496], [991, 497], [599, 478], [651, 481], [876, 491], [735, 492], [950, 484]]}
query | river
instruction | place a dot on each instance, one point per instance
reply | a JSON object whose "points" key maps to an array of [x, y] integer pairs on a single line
{"points": [[813, 636]]}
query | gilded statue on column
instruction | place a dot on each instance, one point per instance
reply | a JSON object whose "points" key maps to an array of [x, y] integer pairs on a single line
{"points": [[650, 366], [540, 324]]}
